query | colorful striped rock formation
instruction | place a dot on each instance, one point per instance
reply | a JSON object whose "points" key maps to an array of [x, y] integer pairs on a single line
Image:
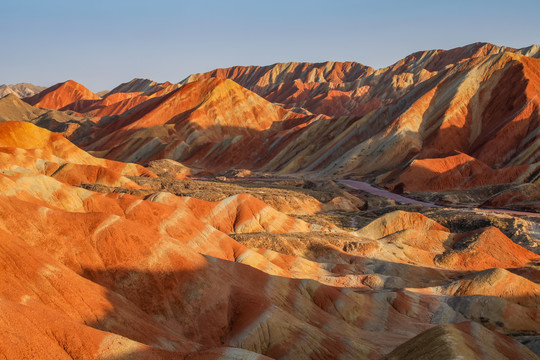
{"points": [[117, 275], [227, 251], [26, 149], [434, 121]]}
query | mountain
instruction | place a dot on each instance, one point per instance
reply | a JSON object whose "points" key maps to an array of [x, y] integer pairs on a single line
{"points": [[212, 117], [336, 88], [67, 123], [20, 90], [239, 241], [484, 107], [436, 120], [62, 95]]}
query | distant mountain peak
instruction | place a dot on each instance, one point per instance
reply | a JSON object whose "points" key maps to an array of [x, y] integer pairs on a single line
{"points": [[20, 90], [135, 85], [61, 95]]}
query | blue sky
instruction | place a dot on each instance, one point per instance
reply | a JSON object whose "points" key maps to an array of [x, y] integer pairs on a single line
{"points": [[103, 43]]}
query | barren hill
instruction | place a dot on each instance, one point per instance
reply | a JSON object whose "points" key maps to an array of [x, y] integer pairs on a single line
{"points": [[61, 96], [156, 275], [237, 241], [20, 90]]}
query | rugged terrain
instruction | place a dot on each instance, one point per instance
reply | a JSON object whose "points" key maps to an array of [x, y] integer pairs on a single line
{"points": [[21, 90], [210, 218]]}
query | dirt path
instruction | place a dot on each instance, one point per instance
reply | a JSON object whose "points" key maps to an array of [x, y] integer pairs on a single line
{"points": [[359, 185]]}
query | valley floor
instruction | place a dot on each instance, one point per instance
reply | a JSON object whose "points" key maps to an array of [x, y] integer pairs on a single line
{"points": [[386, 270]]}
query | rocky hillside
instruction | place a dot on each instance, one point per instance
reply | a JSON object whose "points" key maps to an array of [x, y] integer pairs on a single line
{"points": [[20, 90], [434, 121], [209, 219], [134, 271]]}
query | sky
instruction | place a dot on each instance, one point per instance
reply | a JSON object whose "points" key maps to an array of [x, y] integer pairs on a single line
{"points": [[101, 44]]}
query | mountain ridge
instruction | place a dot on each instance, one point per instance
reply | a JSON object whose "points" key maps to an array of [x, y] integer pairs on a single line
{"points": [[21, 90], [429, 105], [207, 219]]}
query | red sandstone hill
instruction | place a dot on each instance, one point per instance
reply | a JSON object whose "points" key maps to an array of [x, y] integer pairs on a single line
{"points": [[435, 120], [124, 97], [336, 88], [96, 275], [62, 96], [210, 121]]}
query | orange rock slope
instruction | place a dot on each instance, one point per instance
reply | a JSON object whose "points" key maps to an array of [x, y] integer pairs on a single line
{"points": [[479, 100], [28, 149], [435, 120], [208, 122], [89, 275], [124, 97], [61, 95]]}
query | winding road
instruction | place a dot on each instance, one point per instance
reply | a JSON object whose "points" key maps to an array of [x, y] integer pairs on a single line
{"points": [[359, 185]]}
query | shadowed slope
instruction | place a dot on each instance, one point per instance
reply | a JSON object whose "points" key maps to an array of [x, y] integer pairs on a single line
{"points": [[67, 123], [460, 341]]}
